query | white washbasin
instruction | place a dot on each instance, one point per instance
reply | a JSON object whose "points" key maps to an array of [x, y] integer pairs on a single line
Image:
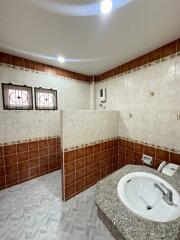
{"points": [[137, 191]]}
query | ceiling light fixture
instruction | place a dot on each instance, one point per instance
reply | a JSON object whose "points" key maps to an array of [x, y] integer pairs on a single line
{"points": [[106, 6], [61, 59]]}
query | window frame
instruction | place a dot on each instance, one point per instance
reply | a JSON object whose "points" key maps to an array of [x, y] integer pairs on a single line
{"points": [[36, 102], [8, 107]]}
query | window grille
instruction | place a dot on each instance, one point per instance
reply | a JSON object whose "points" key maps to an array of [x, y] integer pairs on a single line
{"points": [[45, 99], [17, 97]]}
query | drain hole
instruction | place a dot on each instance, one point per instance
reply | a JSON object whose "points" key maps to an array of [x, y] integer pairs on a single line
{"points": [[148, 207], [129, 180]]}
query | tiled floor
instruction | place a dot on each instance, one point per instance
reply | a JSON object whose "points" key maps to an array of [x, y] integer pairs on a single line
{"points": [[34, 211]]}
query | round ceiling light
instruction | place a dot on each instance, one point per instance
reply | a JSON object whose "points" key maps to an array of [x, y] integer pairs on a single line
{"points": [[106, 6], [61, 59]]}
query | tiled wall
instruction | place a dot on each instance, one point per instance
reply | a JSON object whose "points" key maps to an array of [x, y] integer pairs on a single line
{"points": [[88, 126], [90, 149], [130, 152], [86, 165], [24, 125], [23, 161], [155, 55], [148, 102], [162, 52], [40, 67], [146, 96]]}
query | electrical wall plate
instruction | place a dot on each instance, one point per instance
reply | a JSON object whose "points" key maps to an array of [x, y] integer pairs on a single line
{"points": [[102, 94]]}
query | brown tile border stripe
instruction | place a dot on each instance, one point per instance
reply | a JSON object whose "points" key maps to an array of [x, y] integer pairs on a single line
{"points": [[32, 140], [40, 67], [155, 55], [89, 144], [20, 162]]}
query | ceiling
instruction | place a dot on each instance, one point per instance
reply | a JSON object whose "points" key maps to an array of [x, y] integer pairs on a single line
{"points": [[42, 30]]}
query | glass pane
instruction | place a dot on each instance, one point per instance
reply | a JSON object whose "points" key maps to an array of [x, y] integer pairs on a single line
{"points": [[45, 99], [18, 98]]}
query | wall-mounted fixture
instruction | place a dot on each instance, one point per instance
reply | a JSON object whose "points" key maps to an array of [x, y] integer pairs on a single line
{"points": [[148, 160], [102, 95], [178, 117]]}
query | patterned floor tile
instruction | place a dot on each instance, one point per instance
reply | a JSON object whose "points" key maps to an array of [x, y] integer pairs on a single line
{"points": [[34, 211]]}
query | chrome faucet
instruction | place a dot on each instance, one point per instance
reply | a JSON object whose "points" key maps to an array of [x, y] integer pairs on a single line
{"points": [[166, 192]]}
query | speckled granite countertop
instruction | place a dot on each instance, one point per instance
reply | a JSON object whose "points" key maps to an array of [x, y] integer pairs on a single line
{"points": [[119, 218]]}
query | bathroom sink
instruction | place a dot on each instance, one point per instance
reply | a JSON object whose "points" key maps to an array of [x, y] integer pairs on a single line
{"points": [[143, 193]]}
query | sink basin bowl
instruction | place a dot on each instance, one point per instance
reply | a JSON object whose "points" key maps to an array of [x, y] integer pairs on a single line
{"points": [[137, 191]]}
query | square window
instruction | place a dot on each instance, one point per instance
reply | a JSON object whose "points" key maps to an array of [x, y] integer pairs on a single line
{"points": [[17, 97], [45, 99]]}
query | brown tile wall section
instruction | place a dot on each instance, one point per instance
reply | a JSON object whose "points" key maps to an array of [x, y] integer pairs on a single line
{"points": [[157, 54], [130, 152], [23, 161], [25, 63], [83, 167]]}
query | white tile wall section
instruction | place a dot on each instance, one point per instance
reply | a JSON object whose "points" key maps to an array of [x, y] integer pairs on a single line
{"points": [[23, 125], [85, 127], [92, 96], [153, 118]]}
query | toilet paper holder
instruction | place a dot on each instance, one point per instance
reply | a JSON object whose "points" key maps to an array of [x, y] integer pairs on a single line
{"points": [[148, 160]]}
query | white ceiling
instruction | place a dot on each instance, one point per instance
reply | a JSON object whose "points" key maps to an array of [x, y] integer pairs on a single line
{"points": [[41, 30]]}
